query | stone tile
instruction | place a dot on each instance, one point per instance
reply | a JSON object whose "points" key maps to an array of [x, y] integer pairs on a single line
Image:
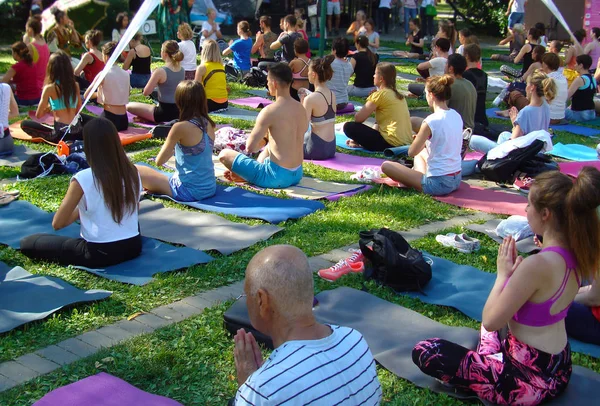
{"points": [[96, 339], [134, 326], [167, 312], [185, 309], [58, 355], [153, 320], [115, 333], [6, 384], [420, 232], [317, 263], [78, 347], [17, 372], [217, 295], [37, 363], [197, 301], [335, 255], [230, 291]]}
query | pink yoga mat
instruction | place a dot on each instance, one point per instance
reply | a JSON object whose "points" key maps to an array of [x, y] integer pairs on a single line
{"points": [[255, 102], [489, 201], [573, 168], [102, 390], [46, 119], [349, 163], [473, 155]]}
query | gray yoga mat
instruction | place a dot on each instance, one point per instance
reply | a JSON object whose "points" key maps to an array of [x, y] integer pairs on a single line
{"points": [[25, 297], [258, 92], [237, 113], [200, 231], [525, 246], [19, 155], [392, 331]]}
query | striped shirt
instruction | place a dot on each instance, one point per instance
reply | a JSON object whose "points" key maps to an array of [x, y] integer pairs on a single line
{"points": [[338, 84], [336, 370]]}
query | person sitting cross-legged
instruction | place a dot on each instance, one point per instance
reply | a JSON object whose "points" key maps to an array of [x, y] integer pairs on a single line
{"points": [[279, 132], [313, 363]]}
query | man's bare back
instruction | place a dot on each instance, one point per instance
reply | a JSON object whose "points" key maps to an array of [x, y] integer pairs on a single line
{"points": [[287, 123]]}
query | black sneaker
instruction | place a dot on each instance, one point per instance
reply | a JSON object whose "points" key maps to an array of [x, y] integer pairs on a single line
{"points": [[467, 133]]}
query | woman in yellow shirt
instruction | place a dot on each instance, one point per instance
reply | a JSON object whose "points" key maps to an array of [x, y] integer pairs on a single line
{"points": [[393, 127], [211, 73]]}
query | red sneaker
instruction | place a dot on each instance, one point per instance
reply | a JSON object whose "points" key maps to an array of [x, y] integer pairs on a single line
{"points": [[354, 263], [523, 184]]}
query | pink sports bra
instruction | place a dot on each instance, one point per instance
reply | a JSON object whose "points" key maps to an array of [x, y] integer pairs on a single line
{"points": [[298, 76], [538, 314]]}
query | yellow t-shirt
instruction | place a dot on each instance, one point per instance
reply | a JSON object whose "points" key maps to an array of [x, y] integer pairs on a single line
{"points": [[392, 117], [216, 85]]}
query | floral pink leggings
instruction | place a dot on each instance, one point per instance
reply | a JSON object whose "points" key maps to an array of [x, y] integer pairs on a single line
{"points": [[508, 372]]}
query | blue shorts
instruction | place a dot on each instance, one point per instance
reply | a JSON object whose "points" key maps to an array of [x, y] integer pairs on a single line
{"points": [[440, 185], [180, 192], [265, 174], [580, 116], [139, 80], [515, 18]]}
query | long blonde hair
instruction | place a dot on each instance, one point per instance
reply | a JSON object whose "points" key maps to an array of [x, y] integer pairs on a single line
{"points": [[210, 52]]}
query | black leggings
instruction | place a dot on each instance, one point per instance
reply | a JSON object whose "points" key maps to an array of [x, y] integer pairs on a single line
{"points": [[119, 120], [77, 251], [214, 106], [54, 133], [367, 137]]}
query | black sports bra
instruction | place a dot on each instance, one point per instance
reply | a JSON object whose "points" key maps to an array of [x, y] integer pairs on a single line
{"points": [[329, 115]]}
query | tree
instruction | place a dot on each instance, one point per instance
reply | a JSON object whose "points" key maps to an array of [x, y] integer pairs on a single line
{"points": [[487, 15]]}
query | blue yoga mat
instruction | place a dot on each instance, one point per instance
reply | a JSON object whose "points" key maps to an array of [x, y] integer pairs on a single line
{"points": [[572, 128], [156, 258], [237, 113], [340, 141], [574, 152], [466, 289], [25, 297]]}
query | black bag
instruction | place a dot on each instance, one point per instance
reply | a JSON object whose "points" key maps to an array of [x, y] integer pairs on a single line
{"points": [[538, 164], [42, 164], [232, 73], [504, 170], [394, 262], [255, 78]]}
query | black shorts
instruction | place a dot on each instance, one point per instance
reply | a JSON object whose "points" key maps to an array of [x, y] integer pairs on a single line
{"points": [[119, 120], [165, 112], [214, 106]]}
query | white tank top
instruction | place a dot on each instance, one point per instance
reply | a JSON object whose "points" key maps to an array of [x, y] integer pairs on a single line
{"points": [[115, 87], [97, 224], [4, 106]]}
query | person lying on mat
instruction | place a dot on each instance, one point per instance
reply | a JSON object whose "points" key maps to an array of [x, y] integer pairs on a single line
{"points": [[393, 126], [113, 91], [9, 110], [436, 66], [319, 140], [342, 70], [540, 91], [582, 91], [211, 73], [533, 363], [313, 363], [22, 75], [108, 215], [299, 67], [166, 78], [191, 140], [61, 97], [415, 40], [436, 147], [139, 59], [363, 62], [583, 320], [279, 164], [91, 63]]}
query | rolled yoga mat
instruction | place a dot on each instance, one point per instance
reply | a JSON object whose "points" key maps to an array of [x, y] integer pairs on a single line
{"points": [[392, 331], [18, 287]]}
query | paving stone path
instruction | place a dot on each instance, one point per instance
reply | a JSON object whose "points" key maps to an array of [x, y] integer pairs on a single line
{"points": [[26, 367]]}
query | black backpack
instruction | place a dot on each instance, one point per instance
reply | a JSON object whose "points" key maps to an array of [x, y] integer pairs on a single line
{"points": [[255, 78], [42, 164], [394, 262], [504, 170]]}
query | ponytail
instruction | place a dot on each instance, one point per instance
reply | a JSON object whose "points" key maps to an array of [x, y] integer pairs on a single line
{"points": [[23, 51], [573, 206], [544, 85], [440, 87], [171, 48], [322, 67], [388, 72], [363, 42]]}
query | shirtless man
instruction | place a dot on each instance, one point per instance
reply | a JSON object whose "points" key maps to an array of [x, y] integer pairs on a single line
{"points": [[279, 129]]}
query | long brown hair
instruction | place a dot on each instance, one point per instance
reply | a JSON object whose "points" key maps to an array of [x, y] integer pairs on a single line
{"points": [[23, 51], [111, 168], [363, 42], [573, 206], [190, 98], [388, 72], [60, 74]]}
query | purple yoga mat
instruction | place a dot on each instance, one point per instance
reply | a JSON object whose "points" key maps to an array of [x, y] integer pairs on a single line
{"points": [[102, 390], [349, 163], [255, 102], [97, 110], [349, 109]]}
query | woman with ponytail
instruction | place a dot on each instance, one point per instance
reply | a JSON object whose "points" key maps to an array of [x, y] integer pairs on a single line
{"points": [[364, 62], [391, 113], [241, 48], [166, 78], [319, 140], [40, 51], [533, 363], [436, 147], [22, 76], [540, 91]]}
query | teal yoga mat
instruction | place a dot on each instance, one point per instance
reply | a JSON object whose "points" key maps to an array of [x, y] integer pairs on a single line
{"points": [[574, 152]]}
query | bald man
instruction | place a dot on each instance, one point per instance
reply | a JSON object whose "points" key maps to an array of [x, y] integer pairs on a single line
{"points": [[312, 362]]}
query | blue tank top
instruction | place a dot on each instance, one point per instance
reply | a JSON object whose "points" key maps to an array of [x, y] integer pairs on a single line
{"points": [[194, 165]]}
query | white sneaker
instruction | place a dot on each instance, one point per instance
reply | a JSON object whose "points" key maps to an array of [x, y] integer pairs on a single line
{"points": [[457, 241]]}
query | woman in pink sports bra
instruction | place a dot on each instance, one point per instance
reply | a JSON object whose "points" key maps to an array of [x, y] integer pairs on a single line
{"points": [[533, 295], [299, 66]]}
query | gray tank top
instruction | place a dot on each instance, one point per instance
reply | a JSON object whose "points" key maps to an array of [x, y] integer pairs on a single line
{"points": [[166, 90]]}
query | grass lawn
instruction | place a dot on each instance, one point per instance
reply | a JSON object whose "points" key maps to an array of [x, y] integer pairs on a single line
{"points": [[192, 361]]}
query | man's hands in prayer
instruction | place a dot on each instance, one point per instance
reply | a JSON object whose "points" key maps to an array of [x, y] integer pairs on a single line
{"points": [[248, 357]]}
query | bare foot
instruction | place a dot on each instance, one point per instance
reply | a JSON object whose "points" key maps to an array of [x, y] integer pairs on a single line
{"points": [[503, 113], [353, 144], [230, 176], [421, 80]]}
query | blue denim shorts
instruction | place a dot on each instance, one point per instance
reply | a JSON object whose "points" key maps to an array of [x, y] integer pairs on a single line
{"points": [[583, 115], [139, 80], [265, 174], [515, 18], [180, 192], [440, 185]]}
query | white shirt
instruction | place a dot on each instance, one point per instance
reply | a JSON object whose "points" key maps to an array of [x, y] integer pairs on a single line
{"points": [[4, 106], [518, 6], [188, 48], [97, 224], [438, 66], [207, 27], [336, 369], [115, 87], [385, 3], [426, 3], [445, 144], [559, 104]]}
